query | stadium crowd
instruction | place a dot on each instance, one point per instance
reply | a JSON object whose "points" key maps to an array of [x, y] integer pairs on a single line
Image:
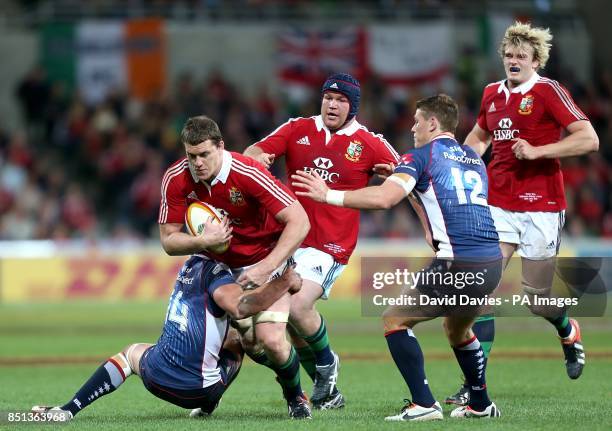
{"points": [[91, 172]]}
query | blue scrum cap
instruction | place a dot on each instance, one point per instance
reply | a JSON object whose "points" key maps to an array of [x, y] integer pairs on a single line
{"points": [[347, 85]]}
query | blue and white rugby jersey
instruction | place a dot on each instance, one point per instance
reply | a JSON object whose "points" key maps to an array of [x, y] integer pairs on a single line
{"points": [[187, 353], [451, 193]]}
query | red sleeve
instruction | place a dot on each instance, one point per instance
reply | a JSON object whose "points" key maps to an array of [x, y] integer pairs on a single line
{"points": [[482, 114], [173, 201], [259, 183], [560, 104], [276, 142], [384, 151]]}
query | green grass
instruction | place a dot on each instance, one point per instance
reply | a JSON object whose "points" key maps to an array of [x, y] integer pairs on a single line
{"points": [[532, 392]]}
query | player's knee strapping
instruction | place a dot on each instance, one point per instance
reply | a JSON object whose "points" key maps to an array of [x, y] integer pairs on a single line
{"points": [[319, 343], [108, 377], [271, 317]]}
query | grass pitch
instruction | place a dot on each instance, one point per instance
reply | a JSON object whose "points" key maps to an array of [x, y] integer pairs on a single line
{"points": [[48, 351]]}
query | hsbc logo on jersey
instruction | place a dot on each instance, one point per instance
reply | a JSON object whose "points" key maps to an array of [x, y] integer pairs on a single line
{"points": [[323, 163], [505, 123], [322, 168], [505, 133]]}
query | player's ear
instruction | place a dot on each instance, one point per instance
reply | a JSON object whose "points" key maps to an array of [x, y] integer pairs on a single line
{"points": [[221, 145], [433, 124]]}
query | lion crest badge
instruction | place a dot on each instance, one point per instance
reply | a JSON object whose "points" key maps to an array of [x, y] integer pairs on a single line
{"points": [[353, 151], [526, 105], [236, 197]]}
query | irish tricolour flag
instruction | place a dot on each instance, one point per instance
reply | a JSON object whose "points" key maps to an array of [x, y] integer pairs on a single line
{"points": [[99, 56]]}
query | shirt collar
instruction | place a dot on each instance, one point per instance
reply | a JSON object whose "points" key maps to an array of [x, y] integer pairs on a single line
{"points": [[523, 88], [348, 131], [226, 166], [448, 135]]}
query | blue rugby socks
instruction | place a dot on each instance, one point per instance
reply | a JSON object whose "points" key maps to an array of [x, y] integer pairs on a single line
{"points": [[108, 377], [408, 358], [472, 361]]}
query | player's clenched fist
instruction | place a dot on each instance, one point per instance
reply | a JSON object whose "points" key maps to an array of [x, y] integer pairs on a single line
{"points": [[524, 150]]}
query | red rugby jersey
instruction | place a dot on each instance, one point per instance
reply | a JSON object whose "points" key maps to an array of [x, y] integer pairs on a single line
{"points": [[244, 190], [344, 160], [536, 111]]}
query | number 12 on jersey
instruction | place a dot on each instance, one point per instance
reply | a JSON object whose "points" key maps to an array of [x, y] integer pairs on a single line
{"points": [[471, 179]]}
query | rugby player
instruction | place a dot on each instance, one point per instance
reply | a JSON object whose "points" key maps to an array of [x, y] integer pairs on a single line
{"points": [[523, 117], [346, 155], [447, 184], [198, 354]]}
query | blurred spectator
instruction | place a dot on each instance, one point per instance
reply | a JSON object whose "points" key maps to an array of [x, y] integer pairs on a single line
{"points": [[98, 172]]}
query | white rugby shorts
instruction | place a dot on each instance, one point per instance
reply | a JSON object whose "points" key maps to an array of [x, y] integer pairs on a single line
{"points": [[317, 266], [536, 234]]}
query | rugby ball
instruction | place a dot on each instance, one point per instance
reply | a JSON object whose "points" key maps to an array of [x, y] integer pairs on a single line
{"points": [[196, 216]]}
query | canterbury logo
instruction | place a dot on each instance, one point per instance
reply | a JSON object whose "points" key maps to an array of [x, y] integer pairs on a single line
{"points": [[303, 141], [492, 108]]}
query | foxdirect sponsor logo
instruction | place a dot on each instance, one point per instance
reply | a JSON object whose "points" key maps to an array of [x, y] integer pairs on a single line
{"points": [[184, 280], [462, 159]]}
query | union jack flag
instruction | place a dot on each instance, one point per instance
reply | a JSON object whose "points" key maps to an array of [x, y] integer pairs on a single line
{"points": [[308, 56]]}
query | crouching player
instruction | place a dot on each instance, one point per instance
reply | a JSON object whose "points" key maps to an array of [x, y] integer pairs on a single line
{"points": [[198, 354], [450, 182]]}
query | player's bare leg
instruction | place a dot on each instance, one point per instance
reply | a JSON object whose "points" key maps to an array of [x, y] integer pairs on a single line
{"points": [[133, 353], [106, 379], [537, 281], [311, 327], [270, 330]]}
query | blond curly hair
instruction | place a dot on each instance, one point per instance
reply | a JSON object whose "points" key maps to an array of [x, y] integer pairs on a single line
{"points": [[520, 33]]}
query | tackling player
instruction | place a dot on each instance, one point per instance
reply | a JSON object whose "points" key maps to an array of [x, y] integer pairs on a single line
{"points": [[450, 182], [268, 224], [198, 355], [345, 154], [523, 117]]}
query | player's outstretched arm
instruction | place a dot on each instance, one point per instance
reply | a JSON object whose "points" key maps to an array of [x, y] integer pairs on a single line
{"points": [[178, 243], [478, 139], [258, 154], [388, 194], [239, 303], [582, 139], [384, 170]]}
